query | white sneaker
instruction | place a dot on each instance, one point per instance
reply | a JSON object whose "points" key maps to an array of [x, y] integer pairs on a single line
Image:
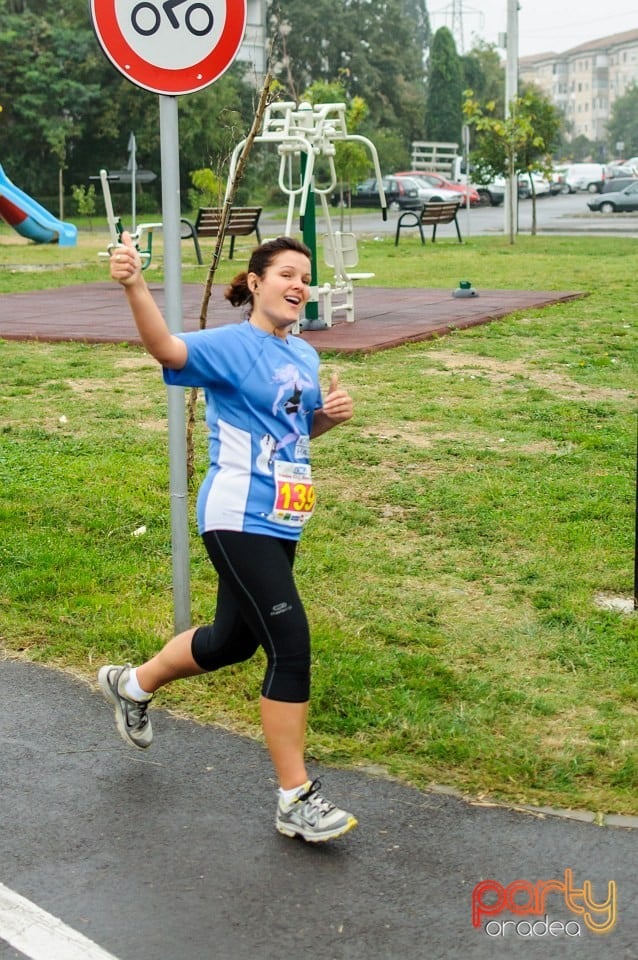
{"points": [[313, 817], [133, 722]]}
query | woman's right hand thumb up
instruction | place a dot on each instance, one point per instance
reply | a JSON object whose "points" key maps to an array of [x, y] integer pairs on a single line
{"points": [[125, 262]]}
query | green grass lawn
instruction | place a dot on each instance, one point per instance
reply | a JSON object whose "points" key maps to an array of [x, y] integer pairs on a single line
{"points": [[469, 517]]}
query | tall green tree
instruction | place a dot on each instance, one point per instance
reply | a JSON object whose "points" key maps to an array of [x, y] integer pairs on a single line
{"points": [[519, 142], [547, 122], [22, 6], [444, 103], [374, 48], [50, 80], [66, 108], [484, 73], [623, 124], [536, 152]]}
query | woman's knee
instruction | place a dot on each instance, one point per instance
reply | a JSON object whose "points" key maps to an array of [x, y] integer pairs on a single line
{"points": [[211, 654], [288, 678]]}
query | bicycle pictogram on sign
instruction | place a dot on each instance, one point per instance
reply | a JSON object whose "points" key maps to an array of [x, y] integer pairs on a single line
{"points": [[146, 18], [170, 47]]}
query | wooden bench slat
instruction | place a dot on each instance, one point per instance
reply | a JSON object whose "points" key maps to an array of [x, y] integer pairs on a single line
{"points": [[242, 222], [240, 219]]}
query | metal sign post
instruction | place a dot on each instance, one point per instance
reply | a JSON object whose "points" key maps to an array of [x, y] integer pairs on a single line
{"points": [[178, 481], [511, 92], [172, 48], [132, 167], [465, 131], [636, 535]]}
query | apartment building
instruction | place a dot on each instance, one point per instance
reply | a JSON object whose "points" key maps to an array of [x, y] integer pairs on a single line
{"points": [[254, 49], [585, 80]]}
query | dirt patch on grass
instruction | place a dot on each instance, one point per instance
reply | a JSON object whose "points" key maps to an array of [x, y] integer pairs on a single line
{"points": [[153, 426], [136, 363], [568, 728], [506, 371], [418, 436], [415, 434], [85, 387], [13, 241]]}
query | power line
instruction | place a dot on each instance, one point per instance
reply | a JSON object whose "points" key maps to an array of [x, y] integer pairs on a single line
{"points": [[455, 11]]}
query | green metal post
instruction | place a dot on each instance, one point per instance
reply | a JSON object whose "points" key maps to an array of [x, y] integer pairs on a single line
{"points": [[310, 239]]}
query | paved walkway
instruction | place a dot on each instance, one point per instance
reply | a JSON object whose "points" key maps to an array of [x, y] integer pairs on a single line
{"points": [[96, 313], [172, 854]]}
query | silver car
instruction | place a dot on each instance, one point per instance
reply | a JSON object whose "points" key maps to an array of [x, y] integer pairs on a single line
{"points": [[427, 192], [624, 200]]}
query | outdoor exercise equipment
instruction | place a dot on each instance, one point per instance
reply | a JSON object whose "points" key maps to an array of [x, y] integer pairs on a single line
{"points": [[340, 252], [465, 289], [303, 133], [116, 228]]}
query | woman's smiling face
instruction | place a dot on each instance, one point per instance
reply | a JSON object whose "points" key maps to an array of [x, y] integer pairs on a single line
{"points": [[281, 293]]}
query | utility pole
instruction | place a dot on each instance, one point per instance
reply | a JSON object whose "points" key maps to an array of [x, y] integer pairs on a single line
{"points": [[511, 92]]}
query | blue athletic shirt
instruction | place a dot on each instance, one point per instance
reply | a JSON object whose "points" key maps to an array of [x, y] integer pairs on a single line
{"points": [[261, 392]]}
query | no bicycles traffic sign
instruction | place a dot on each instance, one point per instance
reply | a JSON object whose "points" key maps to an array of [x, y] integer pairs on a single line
{"points": [[170, 47]]}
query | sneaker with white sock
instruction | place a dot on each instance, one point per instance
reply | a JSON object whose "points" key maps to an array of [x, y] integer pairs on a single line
{"points": [[312, 817], [133, 722]]}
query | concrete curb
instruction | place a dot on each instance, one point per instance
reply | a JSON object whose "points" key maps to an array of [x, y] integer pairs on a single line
{"points": [[597, 819], [622, 821]]}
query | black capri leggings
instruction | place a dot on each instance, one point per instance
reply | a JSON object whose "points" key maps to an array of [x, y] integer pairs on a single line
{"points": [[257, 605]]}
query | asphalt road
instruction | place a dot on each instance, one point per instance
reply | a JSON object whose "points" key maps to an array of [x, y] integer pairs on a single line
{"points": [[172, 855], [567, 214]]}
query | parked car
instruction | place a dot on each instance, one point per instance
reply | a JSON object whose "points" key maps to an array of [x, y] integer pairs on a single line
{"points": [[616, 184], [585, 176], [623, 200], [540, 184], [428, 193], [492, 194], [616, 171], [558, 182], [442, 183], [400, 194]]}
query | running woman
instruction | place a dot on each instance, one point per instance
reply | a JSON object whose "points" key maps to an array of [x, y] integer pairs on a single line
{"points": [[263, 406]]}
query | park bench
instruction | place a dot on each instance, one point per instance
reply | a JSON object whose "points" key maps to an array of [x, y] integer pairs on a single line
{"points": [[242, 222], [433, 213]]}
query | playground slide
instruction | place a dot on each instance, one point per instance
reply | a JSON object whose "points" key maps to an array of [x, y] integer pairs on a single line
{"points": [[30, 219]]}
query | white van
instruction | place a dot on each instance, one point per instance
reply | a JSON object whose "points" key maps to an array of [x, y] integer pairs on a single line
{"points": [[585, 176]]}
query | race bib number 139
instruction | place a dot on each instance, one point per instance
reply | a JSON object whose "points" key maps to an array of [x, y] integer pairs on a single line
{"points": [[294, 494]]}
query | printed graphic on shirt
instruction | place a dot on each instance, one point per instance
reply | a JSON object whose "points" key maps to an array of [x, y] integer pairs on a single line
{"points": [[267, 446], [289, 398]]}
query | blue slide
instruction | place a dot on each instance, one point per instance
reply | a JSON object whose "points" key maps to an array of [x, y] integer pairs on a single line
{"points": [[30, 219]]}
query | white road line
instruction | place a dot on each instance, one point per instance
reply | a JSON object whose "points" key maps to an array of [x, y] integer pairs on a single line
{"points": [[40, 935]]}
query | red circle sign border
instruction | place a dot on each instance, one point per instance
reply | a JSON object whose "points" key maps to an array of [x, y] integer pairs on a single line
{"points": [[163, 80]]}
